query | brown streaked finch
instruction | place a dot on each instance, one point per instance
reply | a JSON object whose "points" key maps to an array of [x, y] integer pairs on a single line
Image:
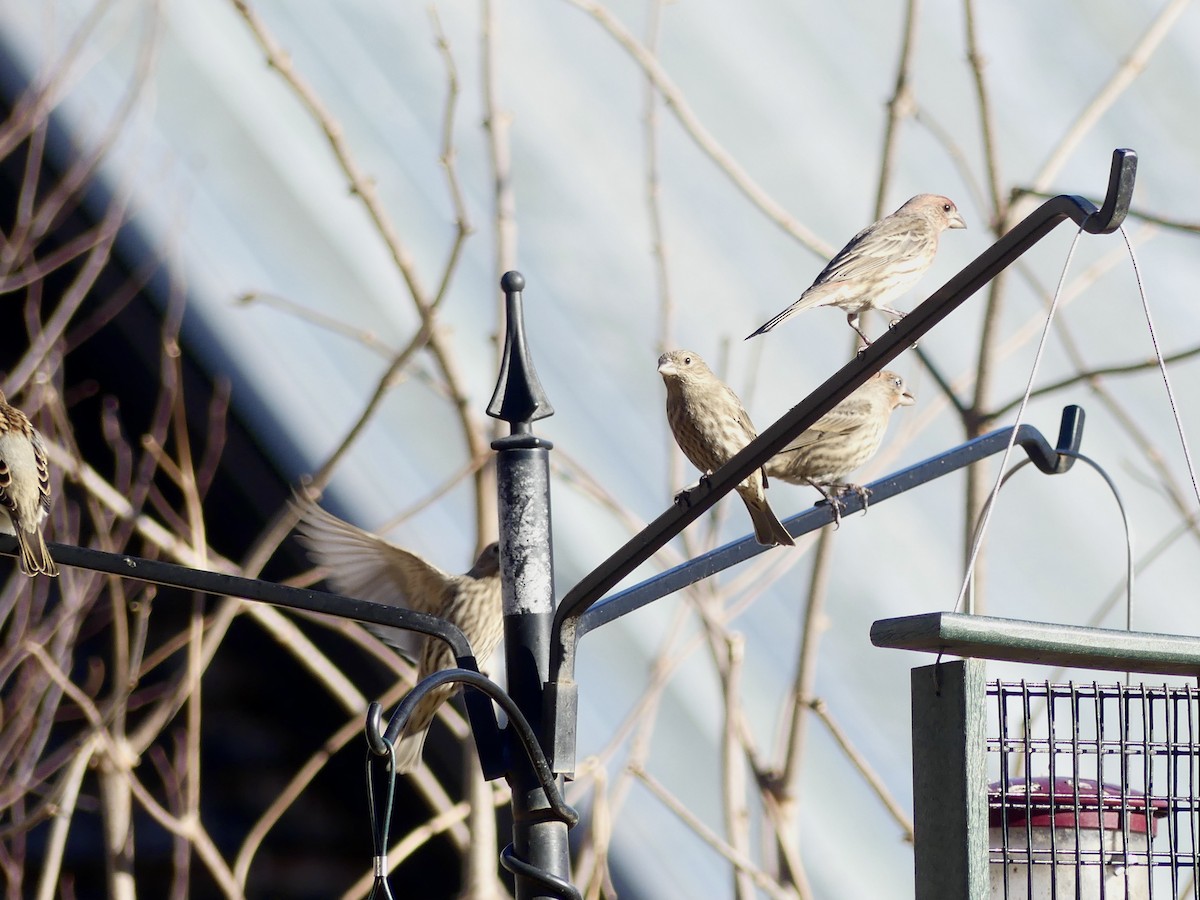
{"points": [[880, 264], [843, 439], [365, 566], [710, 426], [24, 489]]}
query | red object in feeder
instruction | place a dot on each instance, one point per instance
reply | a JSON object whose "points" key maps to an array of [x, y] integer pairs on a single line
{"points": [[1032, 802]]}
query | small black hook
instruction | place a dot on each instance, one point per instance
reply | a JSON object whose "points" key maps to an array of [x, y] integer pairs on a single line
{"points": [[374, 729], [1057, 459], [1070, 437], [379, 807], [1121, 177], [516, 721]]}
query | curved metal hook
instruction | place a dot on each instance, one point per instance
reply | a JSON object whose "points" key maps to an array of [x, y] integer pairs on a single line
{"points": [[1066, 458], [838, 386], [562, 691], [1121, 177], [375, 740], [1051, 459], [1059, 458], [516, 719], [518, 866]]}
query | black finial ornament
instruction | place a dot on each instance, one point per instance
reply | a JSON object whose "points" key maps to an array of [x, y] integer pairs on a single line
{"points": [[519, 398]]}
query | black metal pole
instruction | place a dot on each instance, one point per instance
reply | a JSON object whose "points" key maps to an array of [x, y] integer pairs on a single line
{"points": [[539, 855]]}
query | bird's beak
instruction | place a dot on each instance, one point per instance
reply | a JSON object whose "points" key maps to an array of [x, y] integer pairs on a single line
{"points": [[956, 221], [907, 399], [666, 367]]}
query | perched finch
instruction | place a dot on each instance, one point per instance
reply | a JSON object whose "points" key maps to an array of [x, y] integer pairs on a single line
{"points": [[24, 489], [842, 440], [880, 264], [711, 426], [367, 567]]}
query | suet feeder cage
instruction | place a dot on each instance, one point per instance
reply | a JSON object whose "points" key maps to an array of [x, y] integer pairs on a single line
{"points": [[1066, 837], [1069, 790]]}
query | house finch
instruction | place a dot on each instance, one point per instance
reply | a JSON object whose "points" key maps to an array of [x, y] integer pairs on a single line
{"points": [[711, 426], [365, 566], [24, 489], [881, 263], [842, 440]]}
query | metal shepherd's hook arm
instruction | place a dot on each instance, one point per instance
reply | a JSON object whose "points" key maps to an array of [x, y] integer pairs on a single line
{"points": [[1102, 220]]}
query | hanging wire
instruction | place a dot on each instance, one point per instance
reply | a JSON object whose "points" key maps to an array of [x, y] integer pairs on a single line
{"points": [[985, 518], [1112, 486], [1162, 364]]}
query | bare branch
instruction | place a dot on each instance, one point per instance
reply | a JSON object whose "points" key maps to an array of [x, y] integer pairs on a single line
{"points": [[1130, 68], [761, 879], [704, 139], [818, 706], [901, 106]]}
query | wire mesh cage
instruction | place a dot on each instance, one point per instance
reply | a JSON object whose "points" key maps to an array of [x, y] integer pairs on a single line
{"points": [[1093, 791]]}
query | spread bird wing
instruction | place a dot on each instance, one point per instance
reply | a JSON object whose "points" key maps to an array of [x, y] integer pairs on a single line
{"points": [[365, 566]]}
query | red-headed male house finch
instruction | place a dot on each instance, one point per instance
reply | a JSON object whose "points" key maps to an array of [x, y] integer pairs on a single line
{"points": [[365, 566], [842, 440], [880, 264], [24, 489], [711, 426]]}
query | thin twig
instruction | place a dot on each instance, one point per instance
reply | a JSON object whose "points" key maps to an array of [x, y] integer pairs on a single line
{"points": [[901, 106], [496, 123], [818, 706], [369, 340], [787, 786], [987, 126], [1096, 373], [704, 139], [284, 799], [64, 810], [428, 335], [761, 879], [1132, 66], [449, 156], [733, 766]]}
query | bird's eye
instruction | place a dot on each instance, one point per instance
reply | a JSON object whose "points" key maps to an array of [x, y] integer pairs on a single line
{"points": [[946, 207], [687, 360]]}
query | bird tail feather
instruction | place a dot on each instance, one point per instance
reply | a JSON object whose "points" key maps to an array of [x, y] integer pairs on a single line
{"points": [[35, 555], [768, 530], [772, 322]]}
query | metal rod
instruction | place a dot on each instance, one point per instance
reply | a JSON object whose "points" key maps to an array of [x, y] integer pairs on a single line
{"points": [[539, 854], [1047, 458], [155, 571], [836, 388], [562, 695]]}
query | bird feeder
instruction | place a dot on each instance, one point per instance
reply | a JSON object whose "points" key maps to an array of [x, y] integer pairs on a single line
{"points": [[1070, 838]]}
